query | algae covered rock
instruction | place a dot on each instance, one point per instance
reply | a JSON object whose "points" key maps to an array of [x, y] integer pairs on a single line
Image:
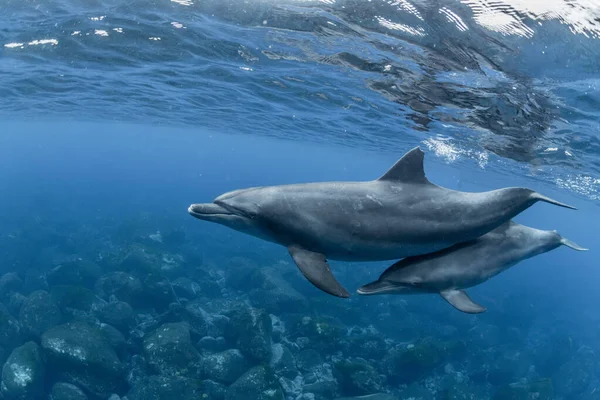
{"points": [[251, 329], [283, 362], [169, 350], [270, 291], [82, 355], [123, 286], [412, 362], [537, 390], [118, 314], [224, 367], [259, 383], [71, 297], [323, 332], [160, 387], [375, 396], [10, 329], [39, 312], [66, 391], [357, 377], [77, 272], [23, 373]]}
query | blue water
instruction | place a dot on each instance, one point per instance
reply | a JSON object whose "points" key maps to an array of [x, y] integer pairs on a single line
{"points": [[115, 117]]}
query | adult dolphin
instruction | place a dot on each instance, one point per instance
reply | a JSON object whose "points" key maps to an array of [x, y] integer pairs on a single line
{"points": [[400, 214], [464, 265]]}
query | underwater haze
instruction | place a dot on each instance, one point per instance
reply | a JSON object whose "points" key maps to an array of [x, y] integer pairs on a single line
{"points": [[115, 116]]}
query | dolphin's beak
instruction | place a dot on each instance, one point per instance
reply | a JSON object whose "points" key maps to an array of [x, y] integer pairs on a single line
{"points": [[207, 210]]}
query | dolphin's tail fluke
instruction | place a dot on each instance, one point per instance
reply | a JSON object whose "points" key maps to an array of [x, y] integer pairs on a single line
{"points": [[572, 245], [540, 197]]}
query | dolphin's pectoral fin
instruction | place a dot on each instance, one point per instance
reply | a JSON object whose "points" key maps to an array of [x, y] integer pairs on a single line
{"points": [[315, 268], [407, 169], [461, 301]]}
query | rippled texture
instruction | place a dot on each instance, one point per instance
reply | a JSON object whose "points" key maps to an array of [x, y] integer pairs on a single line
{"points": [[510, 79]]}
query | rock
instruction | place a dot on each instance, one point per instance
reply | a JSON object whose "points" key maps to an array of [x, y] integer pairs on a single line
{"points": [[211, 344], [308, 359], [251, 329], [323, 332], [169, 350], [283, 362], [574, 376], [410, 363], [69, 298], [10, 283], [224, 367], [539, 390], [357, 378], [10, 330], [15, 302], [23, 373], [81, 354], [66, 391], [124, 286], [115, 338], [368, 346], [186, 288], [158, 292], [76, 273], [376, 396], [201, 322], [39, 313], [259, 383], [34, 280], [118, 314], [273, 293], [160, 387], [137, 370], [213, 390]]}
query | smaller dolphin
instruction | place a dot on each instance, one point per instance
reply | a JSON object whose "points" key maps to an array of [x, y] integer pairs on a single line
{"points": [[450, 271]]}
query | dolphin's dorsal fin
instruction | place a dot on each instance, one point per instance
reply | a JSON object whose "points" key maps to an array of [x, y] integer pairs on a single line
{"points": [[407, 169]]}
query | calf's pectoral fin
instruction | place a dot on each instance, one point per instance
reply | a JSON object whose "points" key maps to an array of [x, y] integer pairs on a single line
{"points": [[461, 301], [315, 268]]}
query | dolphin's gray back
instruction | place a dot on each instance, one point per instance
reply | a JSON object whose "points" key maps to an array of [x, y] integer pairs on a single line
{"points": [[468, 264], [373, 220]]}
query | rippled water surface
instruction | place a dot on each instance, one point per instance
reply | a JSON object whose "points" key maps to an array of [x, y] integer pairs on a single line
{"points": [[509, 82]]}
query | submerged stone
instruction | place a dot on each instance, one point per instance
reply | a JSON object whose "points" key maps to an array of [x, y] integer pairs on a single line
{"points": [[118, 314], [224, 367], [70, 297], [410, 363], [186, 288], [78, 273], [124, 286], [538, 390], [81, 354], [283, 362], [158, 292], [270, 291], [66, 391], [169, 350], [376, 396], [161, 387], [251, 329], [357, 378], [10, 283], [39, 313], [259, 383], [23, 373], [10, 330]]}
